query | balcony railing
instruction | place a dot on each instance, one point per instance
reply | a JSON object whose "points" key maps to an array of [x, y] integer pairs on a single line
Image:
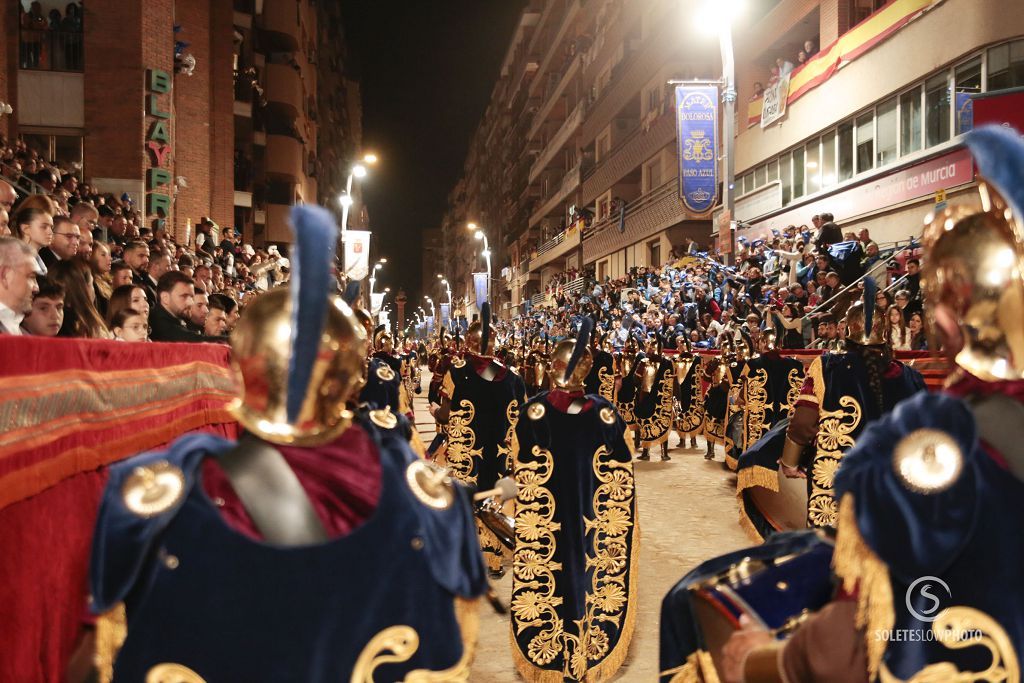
{"points": [[49, 50], [646, 216], [568, 128], [570, 181]]}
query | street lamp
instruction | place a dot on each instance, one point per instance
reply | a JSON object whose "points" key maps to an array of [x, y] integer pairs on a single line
{"points": [[717, 16], [358, 170], [486, 253]]}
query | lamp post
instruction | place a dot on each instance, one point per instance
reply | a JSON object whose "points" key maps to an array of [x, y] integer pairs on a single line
{"points": [[358, 170], [479, 234], [718, 16]]}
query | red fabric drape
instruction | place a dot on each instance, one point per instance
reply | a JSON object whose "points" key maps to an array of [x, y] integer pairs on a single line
{"points": [[67, 409]]}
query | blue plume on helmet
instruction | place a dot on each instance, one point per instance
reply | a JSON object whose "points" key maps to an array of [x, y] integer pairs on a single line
{"points": [[351, 294], [999, 154], [485, 326], [316, 236], [582, 340], [870, 289]]}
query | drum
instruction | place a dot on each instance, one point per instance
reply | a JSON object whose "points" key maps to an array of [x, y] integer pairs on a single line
{"points": [[776, 591], [785, 509]]}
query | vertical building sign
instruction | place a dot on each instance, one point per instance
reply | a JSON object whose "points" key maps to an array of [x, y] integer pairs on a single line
{"points": [[480, 288], [158, 144], [357, 254], [697, 131]]}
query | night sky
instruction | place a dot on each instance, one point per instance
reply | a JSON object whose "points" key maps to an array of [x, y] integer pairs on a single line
{"points": [[426, 69]]}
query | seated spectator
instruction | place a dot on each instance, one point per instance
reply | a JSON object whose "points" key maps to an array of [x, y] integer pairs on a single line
{"points": [[918, 339], [217, 318], [35, 228], [65, 242], [828, 340], [168, 321], [906, 304], [47, 315], [5, 223], [81, 319], [136, 255], [159, 263], [200, 309], [913, 282], [120, 274], [130, 325], [896, 330], [127, 296], [790, 319], [99, 262], [18, 270]]}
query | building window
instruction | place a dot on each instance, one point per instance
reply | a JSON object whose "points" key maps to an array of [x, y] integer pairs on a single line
{"points": [[828, 159], [602, 270], [937, 110], [654, 252], [51, 43], [604, 206], [786, 174], [798, 172], [64, 150], [968, 82], [748, 183], [773, 170], [859, 10], [813, 165], [845, 151], [910, 121], [886, 134], [1006, 66], [865, 143], [761, 175]]}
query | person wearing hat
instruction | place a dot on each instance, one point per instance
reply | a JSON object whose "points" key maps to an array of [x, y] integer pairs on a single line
{"points": [[575, 569], [480, 404], [654, 403]]}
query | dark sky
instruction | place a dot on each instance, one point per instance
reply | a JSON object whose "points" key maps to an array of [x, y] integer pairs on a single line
{"points": [[426, 68]]}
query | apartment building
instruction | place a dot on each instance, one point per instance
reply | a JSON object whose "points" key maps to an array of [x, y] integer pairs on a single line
{"points": [[579, 139], [193, 108], [873, 126]]}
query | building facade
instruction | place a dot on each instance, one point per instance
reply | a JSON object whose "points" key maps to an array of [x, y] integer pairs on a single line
{"points": [[195, 109], [873, 126]]}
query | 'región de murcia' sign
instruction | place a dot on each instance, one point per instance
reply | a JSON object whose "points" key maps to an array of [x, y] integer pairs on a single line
{"points": [[697, 132]]}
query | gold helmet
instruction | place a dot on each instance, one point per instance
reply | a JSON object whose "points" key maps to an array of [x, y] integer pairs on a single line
{"points": [[383, 340], [572, 360], [479, 336], [769, 341], [974, 270], [298, 351]]}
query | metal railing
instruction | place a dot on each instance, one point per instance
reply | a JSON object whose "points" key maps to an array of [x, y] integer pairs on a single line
{"points": [[881, 264], [51, 50]]}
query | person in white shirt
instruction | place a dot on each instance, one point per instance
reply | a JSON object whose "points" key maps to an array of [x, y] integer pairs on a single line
{"points": [[18, 270]]}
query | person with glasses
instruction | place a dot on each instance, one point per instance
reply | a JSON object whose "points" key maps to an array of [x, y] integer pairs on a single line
{"points": [[66, 239], [130, 325]]}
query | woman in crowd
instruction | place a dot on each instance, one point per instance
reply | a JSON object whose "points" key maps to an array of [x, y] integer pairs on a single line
{"points": [[99, 262], [81, 319], [790, 318], [127, 296], [34, 227], [130, 325], [918, 339], [896, 329]]}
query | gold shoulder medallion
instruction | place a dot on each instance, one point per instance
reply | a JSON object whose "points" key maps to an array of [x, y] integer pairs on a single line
{"points": [[152, 489]]}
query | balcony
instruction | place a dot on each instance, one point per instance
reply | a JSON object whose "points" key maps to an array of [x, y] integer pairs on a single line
{"points": [[638, 147], [281, 25], [554, 46], [645, 217], [555, 248], [284, 158], [631, 74], [284, 88], [552, 96], [277, 229], [555, 145], [570, 182]]}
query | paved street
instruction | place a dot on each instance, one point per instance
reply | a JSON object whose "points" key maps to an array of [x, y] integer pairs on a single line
{"points": [[687, 514]]}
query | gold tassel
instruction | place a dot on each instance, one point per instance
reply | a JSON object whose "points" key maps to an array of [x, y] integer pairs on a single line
{"points": [[111, 630], [859, 568], [757, 476], [699, 668], [746, 523]]}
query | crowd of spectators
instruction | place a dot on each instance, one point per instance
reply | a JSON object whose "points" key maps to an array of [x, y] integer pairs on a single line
{"points": [[798, 283], [77, 262]]}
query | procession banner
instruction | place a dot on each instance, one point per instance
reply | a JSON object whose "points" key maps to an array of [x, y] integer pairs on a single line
{"points": [[697, 132], [376, 301], [480, 287], [446, 312], [774, 102], [357, 254]]}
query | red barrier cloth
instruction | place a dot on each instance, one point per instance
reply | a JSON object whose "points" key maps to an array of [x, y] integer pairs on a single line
{"points": [[67, 408]]}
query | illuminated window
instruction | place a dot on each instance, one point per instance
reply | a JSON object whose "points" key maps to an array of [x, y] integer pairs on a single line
{"points": [[885, 144], [936, 109], [910, 121]]}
